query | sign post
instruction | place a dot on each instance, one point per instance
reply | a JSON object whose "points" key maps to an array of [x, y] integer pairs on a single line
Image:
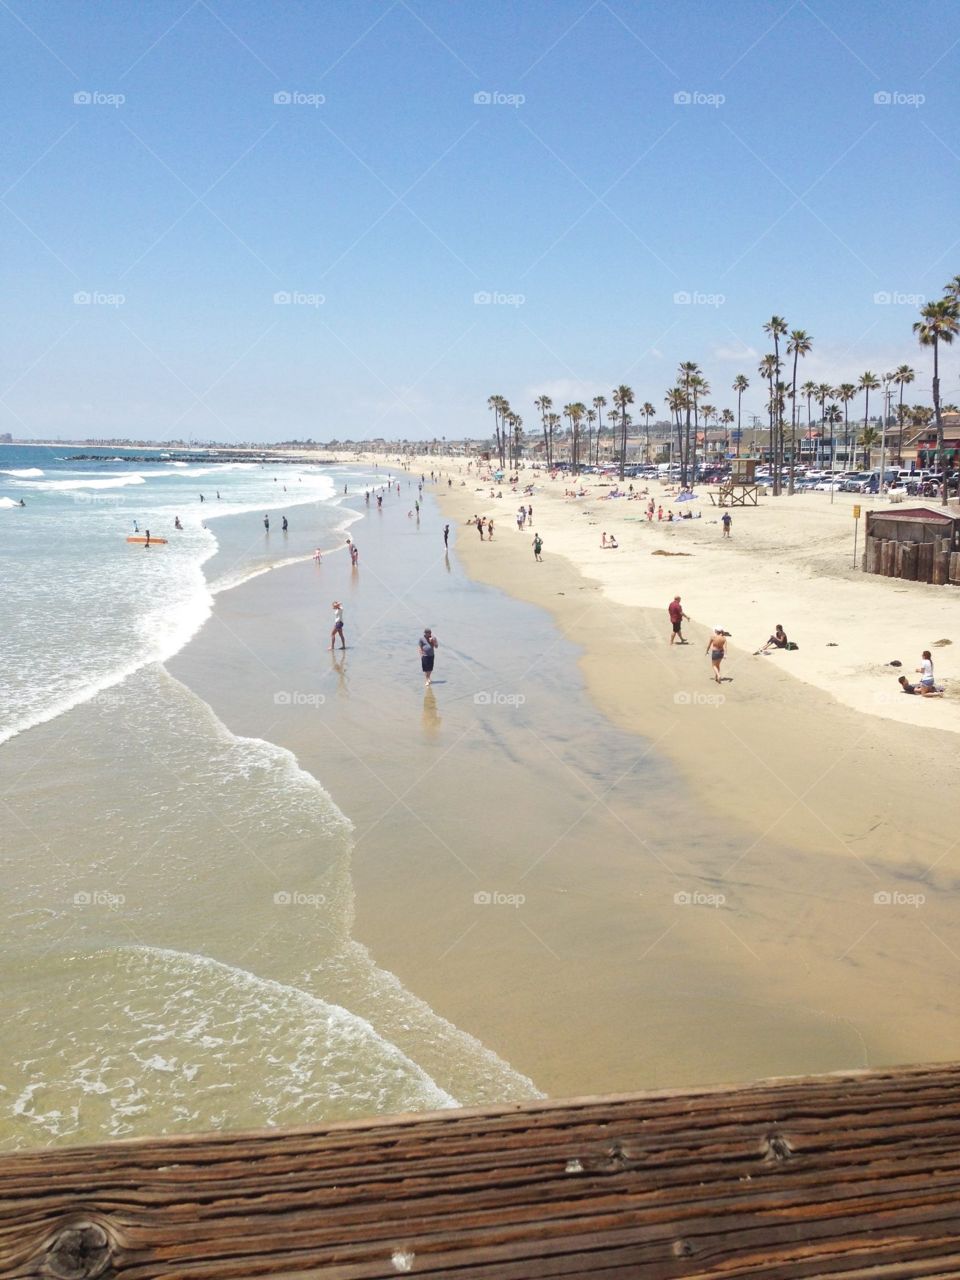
{"points": [[856, 527]]}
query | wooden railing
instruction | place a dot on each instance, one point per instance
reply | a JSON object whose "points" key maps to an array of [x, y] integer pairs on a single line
{"points": [[850, 1175]]}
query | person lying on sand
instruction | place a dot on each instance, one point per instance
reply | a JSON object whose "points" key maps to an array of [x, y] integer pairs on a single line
{"points": [[924, 690]]}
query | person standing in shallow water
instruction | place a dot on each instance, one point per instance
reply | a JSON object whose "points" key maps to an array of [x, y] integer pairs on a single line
{"points": [[427, 644], [446, 536], [337, 626]]}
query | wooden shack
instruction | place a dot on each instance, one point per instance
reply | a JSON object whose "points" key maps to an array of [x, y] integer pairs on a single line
{"points": [[920, 544], [852, 1175]]}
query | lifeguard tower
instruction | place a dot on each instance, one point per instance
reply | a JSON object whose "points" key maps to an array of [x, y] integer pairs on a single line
{"points": [[741, 490]]}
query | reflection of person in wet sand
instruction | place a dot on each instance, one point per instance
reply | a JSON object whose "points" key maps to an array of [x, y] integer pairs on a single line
{"points": [[431, 712], [717, 648]]}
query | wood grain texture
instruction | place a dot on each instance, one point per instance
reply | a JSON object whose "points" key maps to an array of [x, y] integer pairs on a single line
{"points": [[850, 1175]]}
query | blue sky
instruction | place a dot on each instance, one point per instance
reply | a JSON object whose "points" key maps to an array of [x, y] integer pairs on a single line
{"points": [[381, 198]]}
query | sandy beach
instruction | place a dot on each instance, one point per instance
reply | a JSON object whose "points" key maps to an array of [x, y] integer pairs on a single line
{"points": [[711, 891]]}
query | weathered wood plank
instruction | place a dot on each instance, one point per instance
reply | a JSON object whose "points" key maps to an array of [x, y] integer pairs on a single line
{"points": [[846, 1175]]}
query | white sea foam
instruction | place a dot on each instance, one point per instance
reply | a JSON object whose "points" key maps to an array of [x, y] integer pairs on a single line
{"points": [[6, 503], [110, 482], [22, 471]]}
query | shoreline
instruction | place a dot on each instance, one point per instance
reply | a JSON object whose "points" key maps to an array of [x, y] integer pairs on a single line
{"points": [[591, 988]]}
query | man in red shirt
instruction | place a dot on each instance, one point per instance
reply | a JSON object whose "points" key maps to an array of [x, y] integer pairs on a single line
{"points": [[677, 617]]}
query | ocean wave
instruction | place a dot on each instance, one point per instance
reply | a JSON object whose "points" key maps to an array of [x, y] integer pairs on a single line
{"points": [[166, 1041], [22, 471], [112, 482]]}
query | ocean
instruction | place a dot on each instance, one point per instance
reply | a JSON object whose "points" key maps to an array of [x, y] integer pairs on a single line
{"points": [[148, 982]]}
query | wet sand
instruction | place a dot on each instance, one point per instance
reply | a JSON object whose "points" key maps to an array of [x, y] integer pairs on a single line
{"points": [[610, 889]]}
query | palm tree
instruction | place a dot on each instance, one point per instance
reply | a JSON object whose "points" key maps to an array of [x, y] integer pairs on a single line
{"points": [[845, 393], [622, 396], [939, 322], [517, 437], [740, 385], [768, 369], [831, 416], [727, 419], [868, 382], [688, 370], [544, 404], [599, 403], [553, 421], [800, 344], [809, 389], [591, 419], [868, 438], [675, 400], [648, 412], [776, 328], [498, 404]]}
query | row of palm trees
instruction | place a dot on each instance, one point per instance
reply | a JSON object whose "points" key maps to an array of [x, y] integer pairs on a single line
{"points": [[688, 407]]}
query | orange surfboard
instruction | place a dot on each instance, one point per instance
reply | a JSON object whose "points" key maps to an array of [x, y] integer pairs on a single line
{"points": [[150, 540]]}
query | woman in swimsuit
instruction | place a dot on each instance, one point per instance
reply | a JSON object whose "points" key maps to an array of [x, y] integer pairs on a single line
{"points": [[716, 647]]}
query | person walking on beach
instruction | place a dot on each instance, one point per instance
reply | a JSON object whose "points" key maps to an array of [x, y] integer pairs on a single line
{"points": [[677, 617], [266, 523], [726, 520], [537, 548], [480, 527], [284, 526], [446, 536], [717, 648], [337, 626], [354, 554], [427, 645]]}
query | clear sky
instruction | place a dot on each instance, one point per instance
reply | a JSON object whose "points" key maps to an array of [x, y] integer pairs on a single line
{"points": [[379, 195]]}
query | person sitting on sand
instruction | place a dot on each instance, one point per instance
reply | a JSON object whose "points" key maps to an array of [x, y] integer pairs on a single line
{"points": [[926, 671], [777, 641]]}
